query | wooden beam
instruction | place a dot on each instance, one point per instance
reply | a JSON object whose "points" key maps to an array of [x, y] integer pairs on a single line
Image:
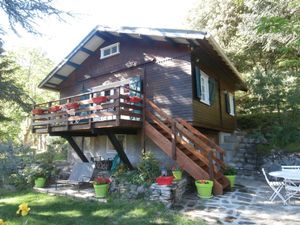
{"points": [[87, 51], [75, 65], [60, 77], [76, 148], [119, 148]]}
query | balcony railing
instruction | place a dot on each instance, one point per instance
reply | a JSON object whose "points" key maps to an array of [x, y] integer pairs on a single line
{"points": [[107, 107]]}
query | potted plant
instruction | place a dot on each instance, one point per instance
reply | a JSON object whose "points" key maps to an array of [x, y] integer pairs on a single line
{"points": [[101, 185], [38, 174], [204, 188], [177, 173], [230, 173]]}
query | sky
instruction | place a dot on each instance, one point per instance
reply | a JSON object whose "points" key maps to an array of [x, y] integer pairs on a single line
{"points": [[59, 38]]}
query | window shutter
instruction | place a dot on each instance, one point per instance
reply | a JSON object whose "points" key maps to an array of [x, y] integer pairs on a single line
{"points": [[198, 81], [212, 87], [227, 103]]}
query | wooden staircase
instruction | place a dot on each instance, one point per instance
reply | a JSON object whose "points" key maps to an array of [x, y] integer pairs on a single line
{"points": [[192, 150]]}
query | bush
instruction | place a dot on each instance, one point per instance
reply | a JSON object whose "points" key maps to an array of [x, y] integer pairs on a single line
{"points": [[280, 130], [146, 173]]}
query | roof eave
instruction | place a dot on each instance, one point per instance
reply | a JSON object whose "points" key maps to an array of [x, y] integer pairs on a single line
{"points": [[215, 45]]}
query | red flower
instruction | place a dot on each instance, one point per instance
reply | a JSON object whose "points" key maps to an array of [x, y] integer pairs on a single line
{"points": [[101, 180], [54, 108], [135, 99], [73, 105], [100, 99], [37, 111]]}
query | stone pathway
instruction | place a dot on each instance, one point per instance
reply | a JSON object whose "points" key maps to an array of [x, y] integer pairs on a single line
{"points": [[247, 204]]}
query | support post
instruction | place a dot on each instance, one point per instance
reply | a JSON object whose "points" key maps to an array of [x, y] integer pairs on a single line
{"points": [[210, 165], [173, 140], [119, 148], [76, 148]]}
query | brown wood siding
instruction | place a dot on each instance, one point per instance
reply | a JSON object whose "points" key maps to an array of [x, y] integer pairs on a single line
{"points": [[169, 78], [212, 116], [169, 85]]}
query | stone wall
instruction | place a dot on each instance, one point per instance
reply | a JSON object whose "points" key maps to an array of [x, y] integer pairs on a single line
{"points": [[241, 152], [168, 194]]}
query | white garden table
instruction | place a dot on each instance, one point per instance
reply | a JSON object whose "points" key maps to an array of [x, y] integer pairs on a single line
{"points": [[291, 182]]}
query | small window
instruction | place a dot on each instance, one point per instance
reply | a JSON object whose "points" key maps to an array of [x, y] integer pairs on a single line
{"points": [[230, 104], [202, 86], [204, 89], [110, 50]]}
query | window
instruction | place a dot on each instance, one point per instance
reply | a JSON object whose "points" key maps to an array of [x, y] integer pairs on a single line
{"points": [[111, 149], [110, 50], [230, 103], [202, 86]]}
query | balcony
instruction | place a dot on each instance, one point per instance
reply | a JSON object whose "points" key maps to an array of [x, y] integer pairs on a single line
{"points": [[119, 108]]}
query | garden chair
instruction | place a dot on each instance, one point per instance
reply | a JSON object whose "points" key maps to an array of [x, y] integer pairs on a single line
{"points": [[292, 189], [276, 186], [81, 172]]}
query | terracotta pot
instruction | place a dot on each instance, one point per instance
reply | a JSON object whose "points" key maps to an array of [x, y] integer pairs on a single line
{"points": [[100, 99], [54, 108], [37, 111]]}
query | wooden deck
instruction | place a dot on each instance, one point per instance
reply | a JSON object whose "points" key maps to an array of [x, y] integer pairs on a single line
{"points": [[118, 108]]}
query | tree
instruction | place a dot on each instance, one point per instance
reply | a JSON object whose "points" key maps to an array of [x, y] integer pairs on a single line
{"points": [[24, 13], [262, 39], [32, 66], [10, 90]]}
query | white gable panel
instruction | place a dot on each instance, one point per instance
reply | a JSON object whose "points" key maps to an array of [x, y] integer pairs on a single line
{"points": [[55, 80], [94, 43], [79, 57], [66, 70]]}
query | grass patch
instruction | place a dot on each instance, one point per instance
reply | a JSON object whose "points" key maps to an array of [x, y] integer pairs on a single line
{"points": [[46, 209]]}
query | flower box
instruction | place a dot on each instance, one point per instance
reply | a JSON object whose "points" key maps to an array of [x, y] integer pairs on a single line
{"points": [[100, 99], [54, 108], [37, 111], [135, 99], [164, 180], [73, 105]]}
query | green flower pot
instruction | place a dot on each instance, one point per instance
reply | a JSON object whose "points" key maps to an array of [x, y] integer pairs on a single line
{"points": [[177, 174], [101, 190], [204, 190], [231, 179], [39, 182]]}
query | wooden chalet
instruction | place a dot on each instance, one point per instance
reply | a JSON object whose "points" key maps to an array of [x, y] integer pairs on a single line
{"points": [[166, 90]]}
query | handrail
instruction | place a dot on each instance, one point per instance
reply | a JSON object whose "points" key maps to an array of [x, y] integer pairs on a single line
{"points": [[189, 132], [199, 134], [90, 92], [114, 108]]}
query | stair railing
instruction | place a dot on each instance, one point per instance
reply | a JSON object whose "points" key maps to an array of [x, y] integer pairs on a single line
{"points": [[184, 133]]}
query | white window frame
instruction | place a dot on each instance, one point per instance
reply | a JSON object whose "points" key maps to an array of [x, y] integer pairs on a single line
{"points": [[102, 56], [110, 148], [231, 103], [204, 88]]}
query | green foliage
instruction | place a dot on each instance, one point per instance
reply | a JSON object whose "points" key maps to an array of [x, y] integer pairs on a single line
{"points": [[146, 173], [32, 66], [230, 170], [263, 149], [262, 39]]}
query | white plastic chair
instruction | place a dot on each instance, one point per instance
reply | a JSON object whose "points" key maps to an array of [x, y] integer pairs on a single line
{"points": [[276, 186]]}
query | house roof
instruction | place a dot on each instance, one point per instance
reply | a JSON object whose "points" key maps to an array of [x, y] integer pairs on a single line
{"points": [[100, 34]]}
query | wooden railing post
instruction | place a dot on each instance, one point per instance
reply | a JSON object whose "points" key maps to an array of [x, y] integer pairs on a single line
{"points": [[174, 140], [90, 112], [49, 118], [118, 116], [210, 165]]}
